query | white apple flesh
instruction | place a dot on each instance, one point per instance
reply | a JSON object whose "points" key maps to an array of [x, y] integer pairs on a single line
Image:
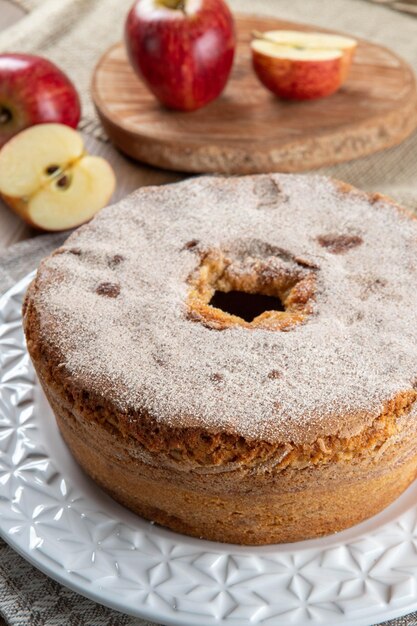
{"points": [[301, 39], [49, 180]]}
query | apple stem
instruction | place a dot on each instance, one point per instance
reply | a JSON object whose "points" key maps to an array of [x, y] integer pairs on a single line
{"points": [[5, 115], [178, 5]]}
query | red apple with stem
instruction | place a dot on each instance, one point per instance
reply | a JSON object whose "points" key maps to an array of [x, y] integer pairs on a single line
{"points": [[34, 91], [182, 49]]}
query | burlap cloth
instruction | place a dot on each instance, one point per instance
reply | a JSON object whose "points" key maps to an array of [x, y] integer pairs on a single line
{"points": [[74, 33]]}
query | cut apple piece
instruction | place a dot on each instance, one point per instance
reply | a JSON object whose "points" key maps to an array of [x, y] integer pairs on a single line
{"points": [[48, 179], [301, 66], [75, 197]]}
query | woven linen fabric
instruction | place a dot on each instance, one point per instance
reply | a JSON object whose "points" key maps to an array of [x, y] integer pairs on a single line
{"points": [[74, 33]]}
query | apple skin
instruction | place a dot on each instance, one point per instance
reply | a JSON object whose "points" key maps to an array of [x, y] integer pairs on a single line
{"points": [[34, 91], [300, 80], [184, 58]]}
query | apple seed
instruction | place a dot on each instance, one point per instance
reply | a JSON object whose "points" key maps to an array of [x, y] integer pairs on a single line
{"points": [[52, 169], [63, 182]]}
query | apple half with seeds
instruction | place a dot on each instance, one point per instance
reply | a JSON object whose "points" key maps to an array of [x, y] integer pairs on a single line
{"points": [[298, 65], [48, 179]]}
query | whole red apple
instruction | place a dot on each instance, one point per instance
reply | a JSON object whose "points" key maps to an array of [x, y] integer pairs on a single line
{"points": [[182, 49], [34, 91]]}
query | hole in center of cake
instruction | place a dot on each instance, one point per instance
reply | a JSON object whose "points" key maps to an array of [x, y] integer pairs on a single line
{"points": [[247, 306], [250, 285]]}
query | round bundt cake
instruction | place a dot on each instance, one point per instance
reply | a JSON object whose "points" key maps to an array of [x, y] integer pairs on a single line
{"points": [[236, 358]]}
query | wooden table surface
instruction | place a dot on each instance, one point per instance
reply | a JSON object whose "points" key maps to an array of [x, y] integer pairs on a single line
{"points": [[129, 174]]}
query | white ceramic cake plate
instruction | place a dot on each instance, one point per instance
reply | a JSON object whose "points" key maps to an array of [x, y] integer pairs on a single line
{"points": [[56, 518]]}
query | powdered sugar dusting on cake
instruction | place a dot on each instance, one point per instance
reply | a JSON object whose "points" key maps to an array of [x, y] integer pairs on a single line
{"points": [[113, 301]]}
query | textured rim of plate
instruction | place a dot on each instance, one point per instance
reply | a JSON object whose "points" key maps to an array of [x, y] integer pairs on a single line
{"points": [[56, 518]]}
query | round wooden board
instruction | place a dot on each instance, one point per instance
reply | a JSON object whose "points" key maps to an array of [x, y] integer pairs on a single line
{"points": [[247, 129]]}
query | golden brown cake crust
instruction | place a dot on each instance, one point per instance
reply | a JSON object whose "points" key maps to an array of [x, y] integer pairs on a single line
{"points": [[260, 434]]}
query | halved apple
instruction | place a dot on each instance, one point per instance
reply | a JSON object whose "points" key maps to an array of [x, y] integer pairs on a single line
{"points": [[50, 181], [299, 65]]}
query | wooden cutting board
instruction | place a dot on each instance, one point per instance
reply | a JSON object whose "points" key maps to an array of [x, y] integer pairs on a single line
{"points": [[248, 129]]}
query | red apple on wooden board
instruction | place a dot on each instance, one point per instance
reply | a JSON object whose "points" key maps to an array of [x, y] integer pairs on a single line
{"points": [[48, 179], [34, 91], [182, 49], [302, 66]]}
